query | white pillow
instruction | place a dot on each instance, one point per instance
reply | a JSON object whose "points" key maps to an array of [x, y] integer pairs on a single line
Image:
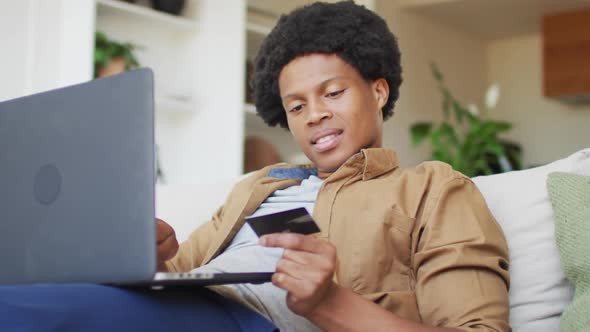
{"points": [[520, 203]]}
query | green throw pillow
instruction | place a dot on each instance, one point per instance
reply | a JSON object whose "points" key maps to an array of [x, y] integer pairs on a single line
{"points": [[570, 197]]}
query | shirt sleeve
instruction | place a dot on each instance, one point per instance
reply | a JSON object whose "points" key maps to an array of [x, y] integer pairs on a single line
{"points": [[461, 261]]}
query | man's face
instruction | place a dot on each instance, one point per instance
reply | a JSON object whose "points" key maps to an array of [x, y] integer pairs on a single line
{"points": [[332, 111]]}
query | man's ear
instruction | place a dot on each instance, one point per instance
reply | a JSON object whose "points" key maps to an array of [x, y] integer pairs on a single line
{"points": [[381, 91]]}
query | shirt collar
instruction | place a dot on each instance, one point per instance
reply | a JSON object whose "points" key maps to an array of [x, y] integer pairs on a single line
{"points": [[373, 162], [378, 161]]}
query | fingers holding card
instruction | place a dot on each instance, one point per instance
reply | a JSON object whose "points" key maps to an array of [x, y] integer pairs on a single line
{"points": [[290, 221], [305, 270]]}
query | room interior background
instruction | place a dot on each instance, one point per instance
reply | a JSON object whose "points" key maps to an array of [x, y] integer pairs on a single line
{"points": [[200, 58]]}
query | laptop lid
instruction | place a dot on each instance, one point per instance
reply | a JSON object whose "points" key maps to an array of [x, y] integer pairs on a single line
{"points": [[77, 177]]}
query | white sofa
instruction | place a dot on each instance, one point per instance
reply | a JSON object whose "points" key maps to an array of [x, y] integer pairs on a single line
{"points": [[519, 201]]}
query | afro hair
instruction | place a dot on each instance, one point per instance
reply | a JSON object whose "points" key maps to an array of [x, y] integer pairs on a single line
{"points": [[355, 34]]}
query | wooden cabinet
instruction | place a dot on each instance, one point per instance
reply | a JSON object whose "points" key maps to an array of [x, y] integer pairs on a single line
{"points": [[566, 56]]}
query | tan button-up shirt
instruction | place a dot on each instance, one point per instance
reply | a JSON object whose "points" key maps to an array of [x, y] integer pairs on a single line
{"points": [[419, 242]]}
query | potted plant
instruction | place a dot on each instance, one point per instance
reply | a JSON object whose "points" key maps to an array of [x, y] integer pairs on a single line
{"points": [[466, 138], [112, 57]]}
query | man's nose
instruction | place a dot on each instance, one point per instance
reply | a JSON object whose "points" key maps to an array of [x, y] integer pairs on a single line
{"points": [[317, 111]]}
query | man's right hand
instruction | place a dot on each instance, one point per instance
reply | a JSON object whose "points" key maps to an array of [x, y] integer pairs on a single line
{"points": [[167, 243]]}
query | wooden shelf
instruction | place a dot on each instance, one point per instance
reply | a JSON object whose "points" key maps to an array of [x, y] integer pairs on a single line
{"points": [[120, 8]]}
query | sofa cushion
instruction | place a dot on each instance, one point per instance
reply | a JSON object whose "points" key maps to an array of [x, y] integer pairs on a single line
{"points": [[570, 197], [519, 201]]}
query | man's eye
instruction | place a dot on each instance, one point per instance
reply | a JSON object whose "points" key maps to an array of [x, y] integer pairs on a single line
{"points": [[296, 108], [334, 94]]}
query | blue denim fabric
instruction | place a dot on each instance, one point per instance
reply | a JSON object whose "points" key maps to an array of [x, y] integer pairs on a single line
{"points": [[292, 173], [85, 307]]}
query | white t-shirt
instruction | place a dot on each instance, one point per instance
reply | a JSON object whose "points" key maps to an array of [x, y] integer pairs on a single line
{"points": [[245, 255]]}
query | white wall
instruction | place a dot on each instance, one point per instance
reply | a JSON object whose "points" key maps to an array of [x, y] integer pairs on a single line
{"points": [[216, 136], [461, 58], [45, 45], [13, 60], [546, 128]]}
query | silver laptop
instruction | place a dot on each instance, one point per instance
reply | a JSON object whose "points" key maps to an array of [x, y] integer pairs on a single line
{"points": [[77, 177]]}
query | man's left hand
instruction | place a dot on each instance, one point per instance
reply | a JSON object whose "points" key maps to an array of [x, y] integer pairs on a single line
{"points": [[305, 271]]}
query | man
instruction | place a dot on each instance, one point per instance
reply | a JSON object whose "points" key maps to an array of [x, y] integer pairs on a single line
{"points": [[400, 249]]}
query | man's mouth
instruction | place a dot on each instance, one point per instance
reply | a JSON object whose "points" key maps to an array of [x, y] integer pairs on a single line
{"points": [[326, 140]]}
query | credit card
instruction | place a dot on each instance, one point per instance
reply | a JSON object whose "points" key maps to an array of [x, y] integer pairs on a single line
{"points": [[290, 221]]}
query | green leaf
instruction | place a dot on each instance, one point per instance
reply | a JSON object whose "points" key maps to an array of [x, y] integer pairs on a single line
{"points": [[100, 37], [460, 111], [481, 166], [474, 121], [471, 146], [492, 146], [502, 126], [513, 153], [447, 132], [442, 155], [459, 160], [435, 72], [105, 50], [446, 102], [99, 57], [442, 141], [491, 128], [419, 132]]}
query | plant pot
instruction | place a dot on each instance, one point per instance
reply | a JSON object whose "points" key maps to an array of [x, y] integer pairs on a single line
{"points": [[173, 7], [114, 67]]}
